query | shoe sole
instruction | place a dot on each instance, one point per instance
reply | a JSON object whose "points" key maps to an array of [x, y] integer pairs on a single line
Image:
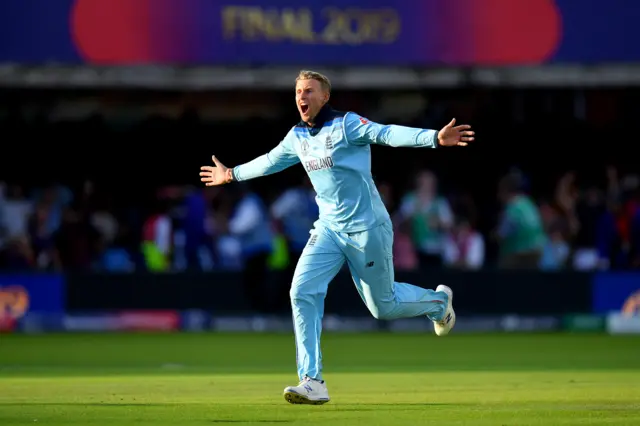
{"points": [[294, 398]]}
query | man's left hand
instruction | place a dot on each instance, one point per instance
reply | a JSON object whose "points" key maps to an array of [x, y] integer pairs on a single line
{"points": [[458, 135]]}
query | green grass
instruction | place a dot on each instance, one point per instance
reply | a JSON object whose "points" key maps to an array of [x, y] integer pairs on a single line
{"points": [[374, 379]]}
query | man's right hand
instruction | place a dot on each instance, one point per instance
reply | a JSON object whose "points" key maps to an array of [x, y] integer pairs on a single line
{"points": [[218, 175]]}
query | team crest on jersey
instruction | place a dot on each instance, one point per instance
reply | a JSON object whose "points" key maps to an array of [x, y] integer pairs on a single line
{"points": [[328, 144], [304, 146]]}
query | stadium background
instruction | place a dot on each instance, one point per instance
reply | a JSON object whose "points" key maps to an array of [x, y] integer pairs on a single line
{"points": [[109, 108]]}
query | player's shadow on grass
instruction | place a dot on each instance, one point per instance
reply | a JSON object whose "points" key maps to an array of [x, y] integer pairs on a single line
{"points": [[87, 404], [376, 406]]}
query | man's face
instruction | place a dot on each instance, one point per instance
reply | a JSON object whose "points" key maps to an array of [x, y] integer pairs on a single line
{"points": [[310, 98]]}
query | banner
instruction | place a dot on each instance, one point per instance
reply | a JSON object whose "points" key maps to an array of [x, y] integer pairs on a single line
{"points": [[202, 321], [123, 321], [481, 324], [584, 323], [616, 292], [24, 295], [623, 324], [319, 32], [195, 320]]}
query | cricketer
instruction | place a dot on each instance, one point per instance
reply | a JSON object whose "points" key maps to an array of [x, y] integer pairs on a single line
{"points": [[353, 225]]}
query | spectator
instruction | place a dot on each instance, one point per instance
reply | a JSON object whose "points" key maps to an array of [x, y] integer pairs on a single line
{"points": [[629, 206], [556, 251], [101, 217], [250, 223], [464, 247], [15, 210], [566, 198], [56, 198], [634, 255], [123, 254], [77, 242], [199, 238], [294, 213], [157, 239], [405, 257], [430, 218], [520, 232], [296, 210], [592, 243], [42, 239], [228, 247]]}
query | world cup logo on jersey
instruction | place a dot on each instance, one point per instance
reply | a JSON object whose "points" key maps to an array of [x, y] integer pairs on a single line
{"points": [[304, 147]]}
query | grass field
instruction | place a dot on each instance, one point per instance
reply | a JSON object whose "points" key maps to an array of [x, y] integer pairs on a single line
{"points": [[373, 379]]}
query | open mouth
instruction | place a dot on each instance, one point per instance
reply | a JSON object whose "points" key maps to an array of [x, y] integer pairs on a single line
{"points": [[304, 108]]}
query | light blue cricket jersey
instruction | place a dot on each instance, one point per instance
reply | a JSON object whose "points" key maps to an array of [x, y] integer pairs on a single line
{"points": [[336, 154]]}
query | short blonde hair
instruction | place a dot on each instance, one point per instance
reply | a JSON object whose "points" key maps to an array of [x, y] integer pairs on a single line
{"points": [[312, 75]]}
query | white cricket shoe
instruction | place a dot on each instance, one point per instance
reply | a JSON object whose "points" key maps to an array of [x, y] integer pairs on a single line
{"points": [[309, 391], [443, 327]]}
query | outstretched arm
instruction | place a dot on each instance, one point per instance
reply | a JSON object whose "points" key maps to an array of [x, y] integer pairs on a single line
{"points": [[360, 131], [278, 159]]}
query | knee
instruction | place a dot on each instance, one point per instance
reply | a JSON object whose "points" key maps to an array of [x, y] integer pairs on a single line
{"points": [[301, 293], [295, 293], [381, 310]]}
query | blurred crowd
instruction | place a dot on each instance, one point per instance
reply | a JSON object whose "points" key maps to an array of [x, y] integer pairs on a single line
{"points": [[579, 225]]}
